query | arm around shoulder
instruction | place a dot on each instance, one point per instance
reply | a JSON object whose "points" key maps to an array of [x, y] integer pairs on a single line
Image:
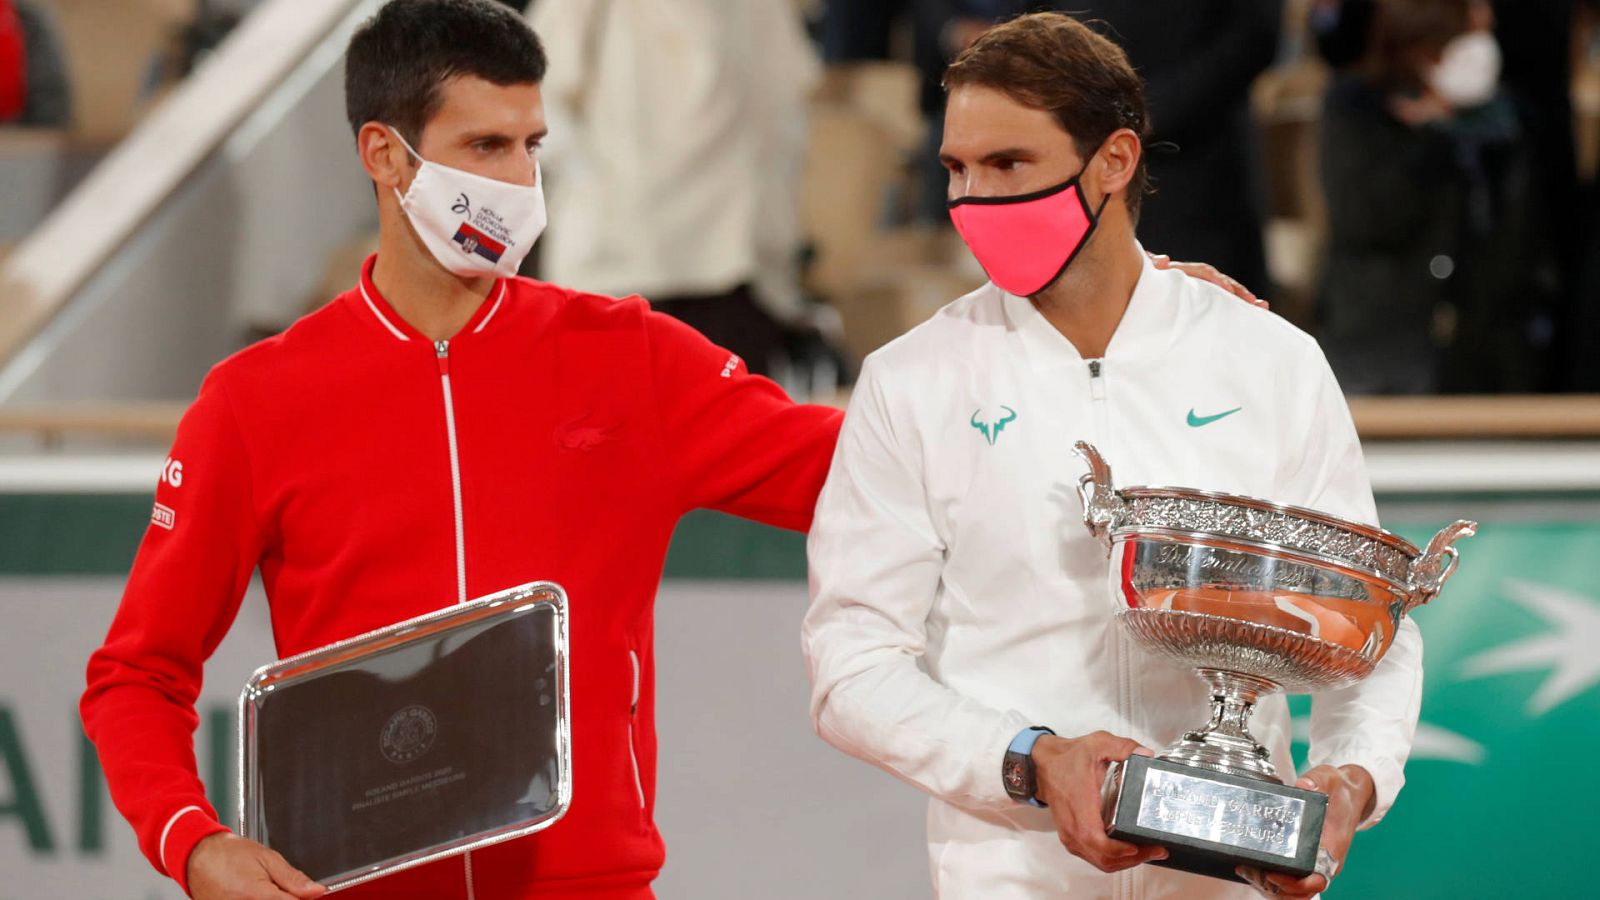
{"points": [[734, 441]]}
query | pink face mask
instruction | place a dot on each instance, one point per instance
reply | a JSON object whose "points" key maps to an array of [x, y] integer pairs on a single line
{"points": [[1026, 241]]}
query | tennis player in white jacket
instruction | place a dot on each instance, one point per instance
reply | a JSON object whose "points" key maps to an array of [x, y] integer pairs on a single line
{"points": [[958, 603]]}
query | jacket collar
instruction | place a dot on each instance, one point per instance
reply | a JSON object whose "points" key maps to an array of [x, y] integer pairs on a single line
{"points": [[371, 305], [1145, 331]]}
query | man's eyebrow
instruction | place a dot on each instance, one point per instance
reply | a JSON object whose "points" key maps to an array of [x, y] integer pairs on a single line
{"points": [[472, 137], [1008, 153]]}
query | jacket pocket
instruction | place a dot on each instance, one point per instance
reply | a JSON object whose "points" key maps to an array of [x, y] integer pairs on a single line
{"points": [[633, 737]]}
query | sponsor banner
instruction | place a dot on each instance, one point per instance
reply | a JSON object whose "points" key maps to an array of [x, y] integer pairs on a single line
{"points": [[1498, 799], [1512, 692], [59, 834]]}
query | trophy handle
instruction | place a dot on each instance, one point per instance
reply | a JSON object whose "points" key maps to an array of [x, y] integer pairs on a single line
{"points": [[1437, 563], [1100, 500]]}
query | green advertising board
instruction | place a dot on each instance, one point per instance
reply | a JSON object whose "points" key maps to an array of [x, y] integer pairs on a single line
{"points": [[1498, 800]]}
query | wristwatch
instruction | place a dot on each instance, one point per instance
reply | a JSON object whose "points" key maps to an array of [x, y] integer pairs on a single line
{"points": [[1017, 772]]}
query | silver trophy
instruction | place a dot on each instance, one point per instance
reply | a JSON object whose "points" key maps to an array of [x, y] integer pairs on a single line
{"points": [[1259, 597]]}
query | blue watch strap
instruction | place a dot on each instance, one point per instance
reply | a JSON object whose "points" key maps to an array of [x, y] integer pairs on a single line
{"points": [[1023, 744]]}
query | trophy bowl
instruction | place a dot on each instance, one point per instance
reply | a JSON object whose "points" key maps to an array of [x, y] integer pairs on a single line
{"points": [[1258, 597]]}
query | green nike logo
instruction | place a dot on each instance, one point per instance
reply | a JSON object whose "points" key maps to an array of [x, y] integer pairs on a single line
{"points": [[1197, 421]]}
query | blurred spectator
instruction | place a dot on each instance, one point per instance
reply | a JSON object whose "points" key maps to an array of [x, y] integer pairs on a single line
{"points": [[673, 166], [13, 66], [211, 25], [1430, 204], [33, 73], [1536, 40], [1198, 59]]}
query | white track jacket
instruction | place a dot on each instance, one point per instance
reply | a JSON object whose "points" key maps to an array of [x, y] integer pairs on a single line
{"points": [[957, 597]]}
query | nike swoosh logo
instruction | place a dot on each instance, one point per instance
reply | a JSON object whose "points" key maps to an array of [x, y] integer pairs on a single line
{"points": [[1197, 421]]}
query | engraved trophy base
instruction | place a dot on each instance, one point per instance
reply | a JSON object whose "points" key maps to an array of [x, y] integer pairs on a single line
{"points": [[1212, 822]]}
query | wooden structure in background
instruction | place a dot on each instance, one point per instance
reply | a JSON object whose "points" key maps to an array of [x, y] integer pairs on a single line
{"points": [[1573, 416]]}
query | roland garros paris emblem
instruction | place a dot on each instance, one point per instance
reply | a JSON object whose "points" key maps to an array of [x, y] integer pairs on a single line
{"points": [[408, 734]]}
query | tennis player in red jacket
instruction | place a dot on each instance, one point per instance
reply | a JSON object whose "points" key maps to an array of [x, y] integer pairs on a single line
{"points": [[441, 431]]}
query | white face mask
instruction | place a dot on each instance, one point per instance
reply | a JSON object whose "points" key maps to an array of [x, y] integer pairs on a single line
{"points": [[1469, 70], [474, 226]]}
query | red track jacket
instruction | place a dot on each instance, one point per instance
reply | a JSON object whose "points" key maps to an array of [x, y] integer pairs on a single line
{"points": [[373, 475]]}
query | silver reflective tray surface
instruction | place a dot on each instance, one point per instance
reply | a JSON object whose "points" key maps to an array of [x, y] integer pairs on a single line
{"points": [[422, 740]]}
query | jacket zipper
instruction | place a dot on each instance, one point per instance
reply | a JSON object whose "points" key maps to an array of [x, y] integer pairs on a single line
{"points": [[442, 349], [1122, 882], [633, 714], [1097, 401], [442, 353]]}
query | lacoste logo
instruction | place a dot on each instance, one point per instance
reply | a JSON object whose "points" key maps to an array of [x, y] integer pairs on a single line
{"points": [[991, 430], [1198, 421], [163, 516], [575, 435]]}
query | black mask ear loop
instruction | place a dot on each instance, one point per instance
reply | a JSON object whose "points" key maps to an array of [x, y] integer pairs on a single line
{"points": [[1092, 215]]}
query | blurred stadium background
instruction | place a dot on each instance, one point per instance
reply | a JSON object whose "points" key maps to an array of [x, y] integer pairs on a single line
{"points": [[179, 182]]}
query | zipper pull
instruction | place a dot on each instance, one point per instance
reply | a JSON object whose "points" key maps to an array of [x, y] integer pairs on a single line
{"points": [[442, 348], [1097, 385]]}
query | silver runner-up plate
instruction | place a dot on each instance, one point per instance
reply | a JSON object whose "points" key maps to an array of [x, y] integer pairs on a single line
{"points": [[426, 739]]}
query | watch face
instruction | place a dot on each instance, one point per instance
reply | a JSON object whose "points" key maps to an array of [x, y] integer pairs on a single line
{"points": [[1016, 777]]}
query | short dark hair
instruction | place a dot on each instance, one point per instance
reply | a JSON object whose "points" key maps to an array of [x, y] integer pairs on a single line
{"points": [[1052, 62], [398, 59]]}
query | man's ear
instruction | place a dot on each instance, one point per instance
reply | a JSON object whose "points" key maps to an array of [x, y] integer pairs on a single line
{"points": [[1118, 160], [383, 156]]}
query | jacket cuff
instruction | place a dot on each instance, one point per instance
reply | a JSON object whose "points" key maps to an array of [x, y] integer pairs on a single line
{"points": [[1388, 776], [182, 831], [992, 794]]}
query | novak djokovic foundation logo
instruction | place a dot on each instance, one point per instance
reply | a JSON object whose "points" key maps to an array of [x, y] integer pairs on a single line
{"points": [[408, 734], [482, 231]]}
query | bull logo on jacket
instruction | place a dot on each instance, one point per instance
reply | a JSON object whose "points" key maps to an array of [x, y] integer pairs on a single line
{"points": [[991, 426]]}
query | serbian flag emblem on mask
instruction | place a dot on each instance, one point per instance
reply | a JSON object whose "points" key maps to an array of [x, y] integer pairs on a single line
{"points": [[474, 241]]}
